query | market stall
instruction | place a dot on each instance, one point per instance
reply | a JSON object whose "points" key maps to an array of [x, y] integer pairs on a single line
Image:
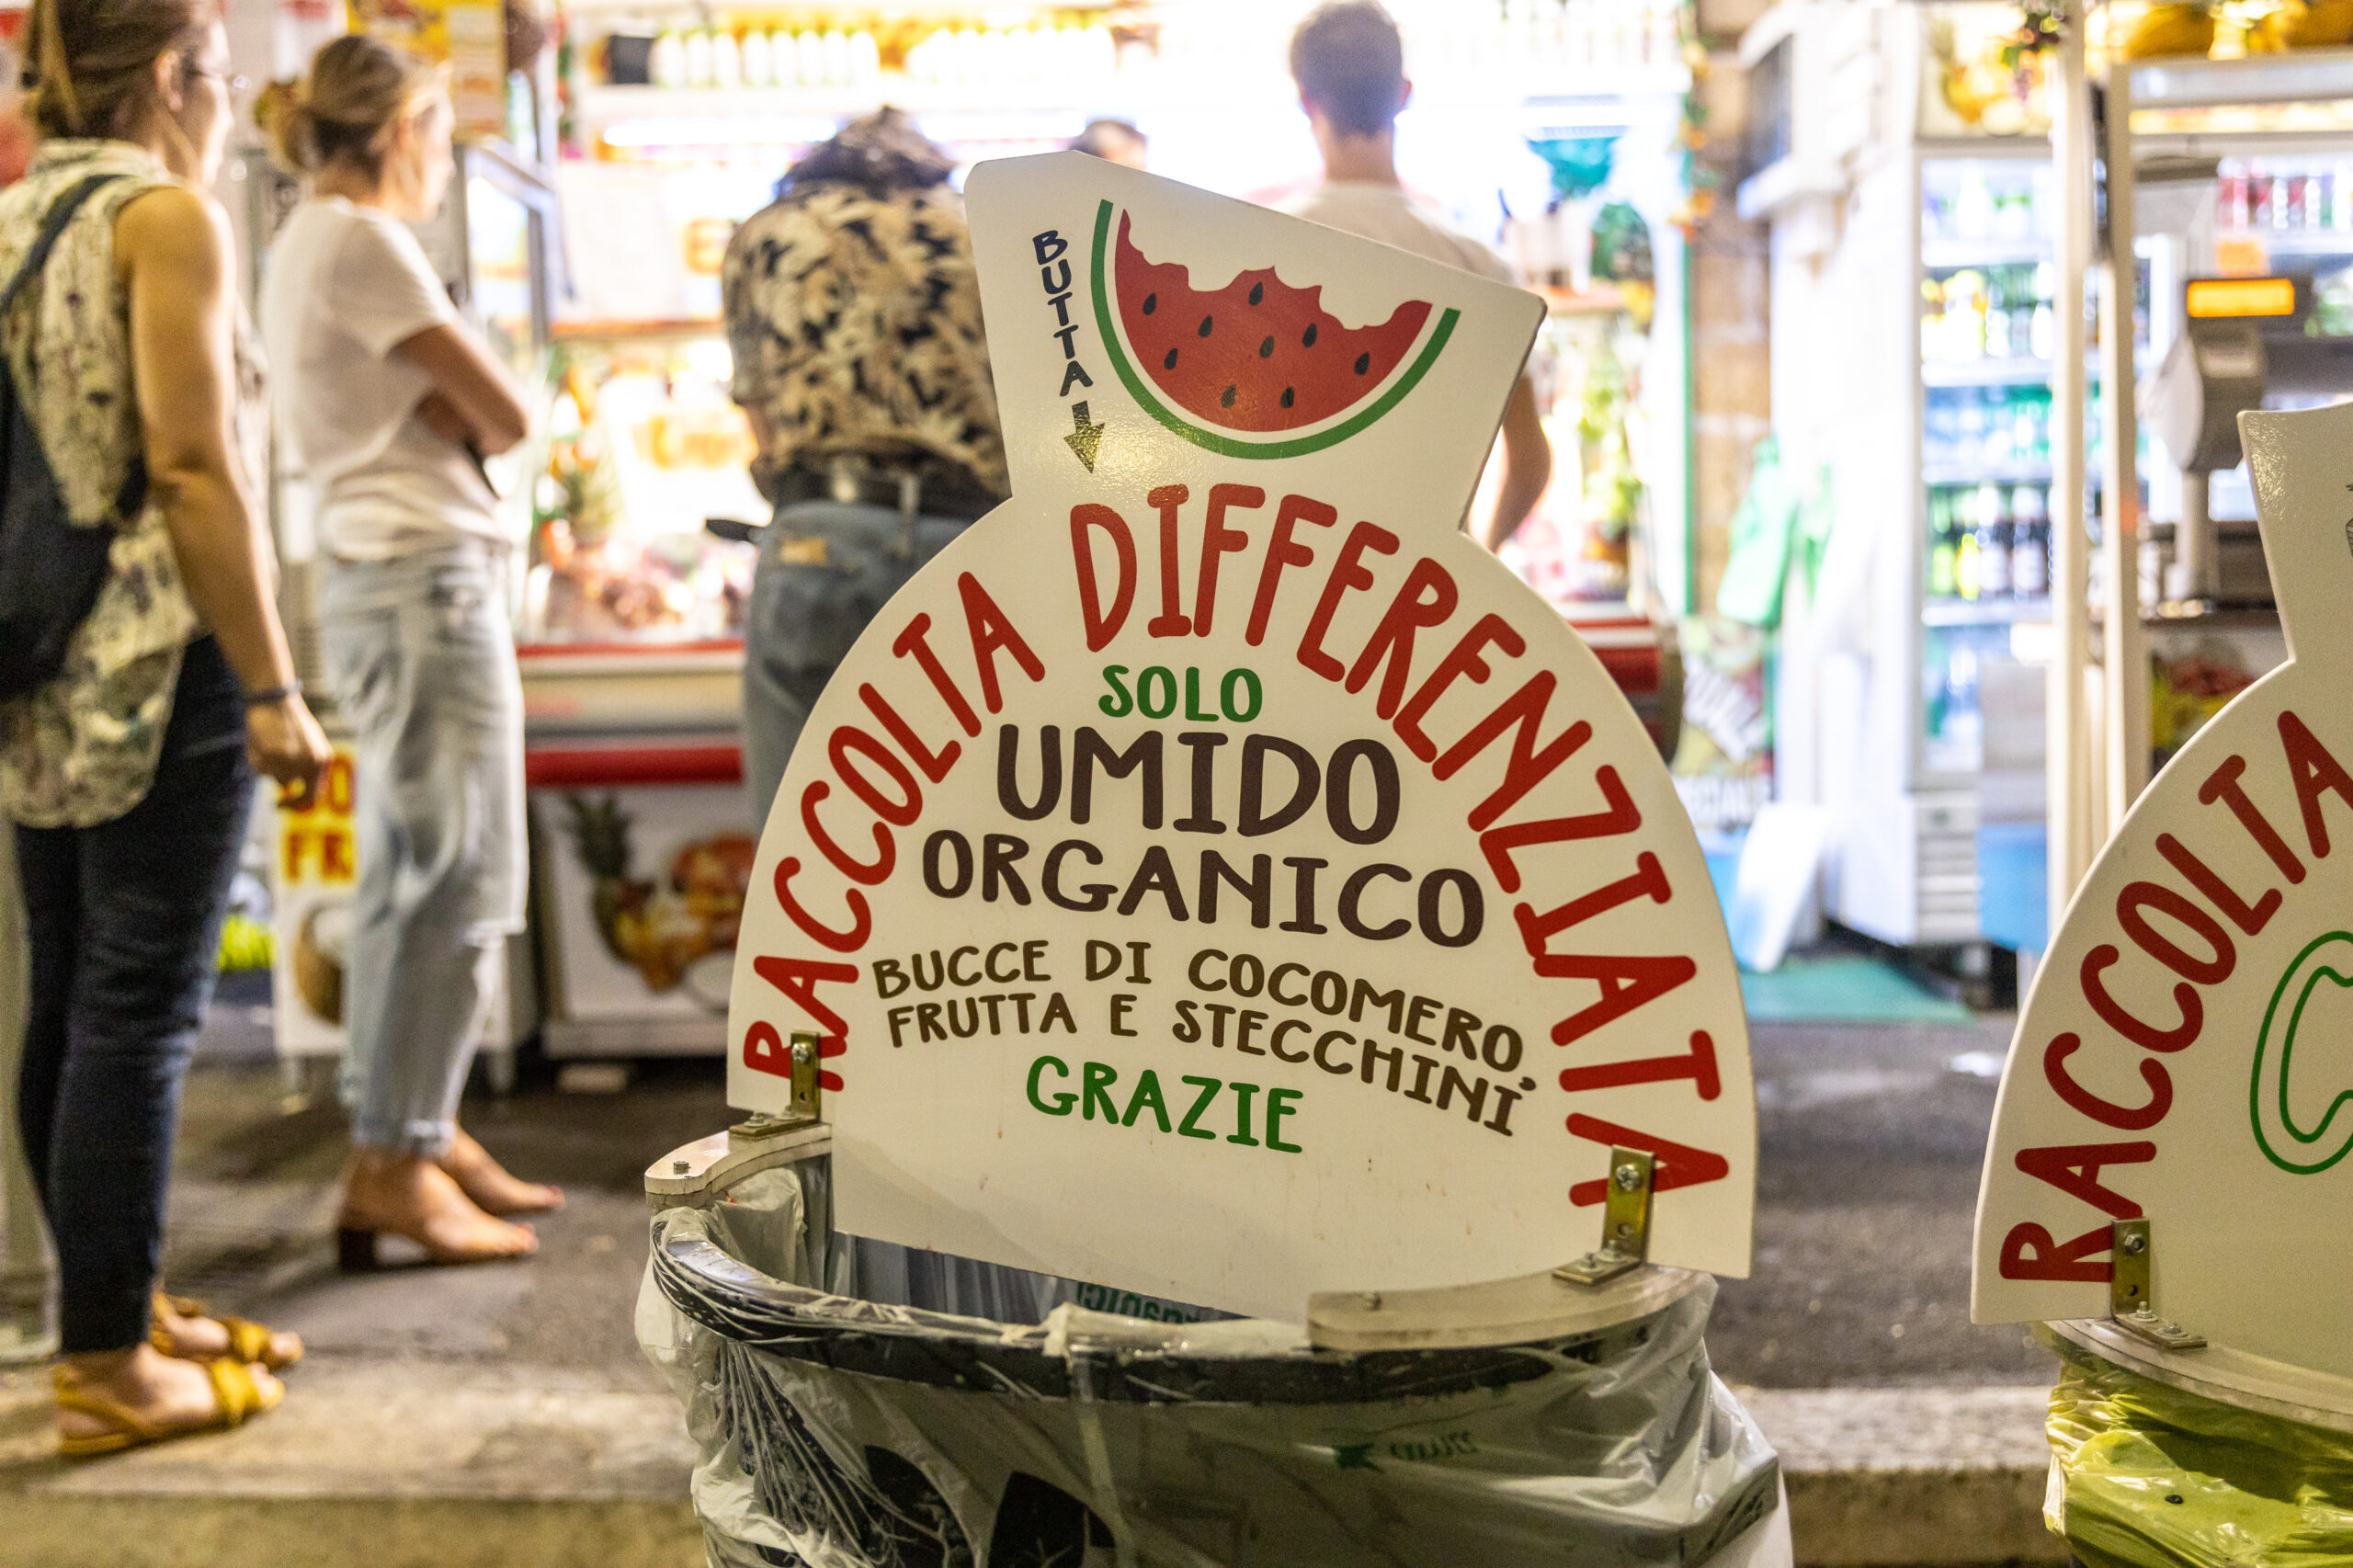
{"points": [[676, 122]]}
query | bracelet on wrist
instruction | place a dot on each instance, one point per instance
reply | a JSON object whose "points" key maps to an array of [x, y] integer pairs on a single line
{"points": [[271, 696]]}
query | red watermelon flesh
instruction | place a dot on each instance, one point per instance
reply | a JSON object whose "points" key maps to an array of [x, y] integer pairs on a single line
{"points": [[1258, 355]]}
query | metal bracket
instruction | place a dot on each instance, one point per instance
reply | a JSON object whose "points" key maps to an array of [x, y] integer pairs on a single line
{"points": [[1625, 1221], [805, 1105], [2129, 1304]]}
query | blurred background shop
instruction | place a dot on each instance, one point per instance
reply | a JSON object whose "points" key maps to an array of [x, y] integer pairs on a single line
{"points": [[1807, 376], [608, 148]]}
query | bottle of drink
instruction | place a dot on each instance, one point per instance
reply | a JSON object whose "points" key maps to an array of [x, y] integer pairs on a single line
{"points": [[1964, 561], [1994, 532], [2001, 429], [2030, 542], [1933, 336], [1997, 313], [2231, 207], [668, 64], [1944, 546], [1969, 431]]}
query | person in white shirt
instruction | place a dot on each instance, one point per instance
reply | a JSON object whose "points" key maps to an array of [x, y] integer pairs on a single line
{"points": [[388, 402], [1349, 63]]}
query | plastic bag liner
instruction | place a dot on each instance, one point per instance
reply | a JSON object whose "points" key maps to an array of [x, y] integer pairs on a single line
{"points": [[2145, 1475], [840, 1432]]}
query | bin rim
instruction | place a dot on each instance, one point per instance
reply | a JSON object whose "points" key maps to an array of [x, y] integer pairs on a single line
{"points": [[1103, 1356], [2222, 1374]]}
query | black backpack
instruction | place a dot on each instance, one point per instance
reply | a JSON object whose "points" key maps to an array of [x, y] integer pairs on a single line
{"points": [[51, 568]]}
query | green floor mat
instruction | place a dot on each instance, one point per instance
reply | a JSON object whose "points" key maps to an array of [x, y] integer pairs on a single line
{"points": [[1843, 988]]}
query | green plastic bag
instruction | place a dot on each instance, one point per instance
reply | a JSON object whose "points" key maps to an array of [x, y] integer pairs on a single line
{"points": [[2144, 1475]]}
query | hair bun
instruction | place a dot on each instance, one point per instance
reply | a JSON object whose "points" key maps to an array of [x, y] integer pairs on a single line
{"points": [[283, 113]]}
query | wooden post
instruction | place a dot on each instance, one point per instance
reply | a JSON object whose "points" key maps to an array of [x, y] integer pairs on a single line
{"points": [[2124, 649], [2068, 794]]}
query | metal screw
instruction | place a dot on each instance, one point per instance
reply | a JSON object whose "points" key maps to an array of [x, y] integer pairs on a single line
{"points": [[2135, 1245], [681, 1167], [1372, 1301], [1629, 1177]]}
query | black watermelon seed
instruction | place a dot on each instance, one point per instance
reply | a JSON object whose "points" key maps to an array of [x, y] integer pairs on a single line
{"points": [[1286, 399], [1267, 349], [1169, 363], [1227, 401], [1258, 292], [1307, 339], [1364, 363], [1150, 303], [1205, 324]]}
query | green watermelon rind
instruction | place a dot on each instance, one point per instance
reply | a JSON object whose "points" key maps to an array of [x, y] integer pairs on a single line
{"points": [[1219, 441]]}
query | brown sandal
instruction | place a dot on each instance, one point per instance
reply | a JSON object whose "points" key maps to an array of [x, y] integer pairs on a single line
{"points": [[248, 1341], [236, 1398]]}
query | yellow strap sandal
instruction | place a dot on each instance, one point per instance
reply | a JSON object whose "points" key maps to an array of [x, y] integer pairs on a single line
{"points": [[236, 1398], [248, 1341]]}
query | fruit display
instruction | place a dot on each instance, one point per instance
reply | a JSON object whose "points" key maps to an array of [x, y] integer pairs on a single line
{"points": [[644, 443], [2323, 24], [2167, 31], [1992, 67]]}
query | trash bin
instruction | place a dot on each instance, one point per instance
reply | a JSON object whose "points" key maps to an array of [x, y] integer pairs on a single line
{"points": [[2147, 1475], [840, 1427]]}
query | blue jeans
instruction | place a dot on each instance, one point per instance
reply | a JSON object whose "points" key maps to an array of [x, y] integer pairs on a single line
{"points": [[421, 659], [123, 931], [825, 570]]}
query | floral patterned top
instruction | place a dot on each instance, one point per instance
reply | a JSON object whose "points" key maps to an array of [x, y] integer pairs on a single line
{"points": [[855, 320], [82, 749]]}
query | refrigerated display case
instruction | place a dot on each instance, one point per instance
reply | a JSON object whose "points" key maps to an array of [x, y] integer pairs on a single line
{"points": [[1913, 333], [630, 636], [1914, 338]]}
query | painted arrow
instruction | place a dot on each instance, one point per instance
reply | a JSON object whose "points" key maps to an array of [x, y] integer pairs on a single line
{"points": [[1085, 439]]}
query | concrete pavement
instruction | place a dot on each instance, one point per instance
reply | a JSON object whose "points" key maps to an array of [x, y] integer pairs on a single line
{"points": [[501, 1415]]}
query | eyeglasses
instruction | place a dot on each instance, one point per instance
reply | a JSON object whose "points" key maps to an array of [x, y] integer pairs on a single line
{"points": [[235, 82]]}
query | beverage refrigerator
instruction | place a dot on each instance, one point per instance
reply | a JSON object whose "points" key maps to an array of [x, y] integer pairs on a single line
{"points": [[1913, 243]]}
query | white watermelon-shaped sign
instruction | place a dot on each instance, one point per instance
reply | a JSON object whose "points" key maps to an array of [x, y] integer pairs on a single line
{"points": [[1214, 875], [2187, 1054]]}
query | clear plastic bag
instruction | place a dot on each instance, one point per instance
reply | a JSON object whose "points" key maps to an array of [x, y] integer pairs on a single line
{"points": [[2145, 1475], [841, 1432]]}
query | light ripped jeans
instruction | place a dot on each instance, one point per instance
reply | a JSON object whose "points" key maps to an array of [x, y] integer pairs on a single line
{"points": [[421, 660]]}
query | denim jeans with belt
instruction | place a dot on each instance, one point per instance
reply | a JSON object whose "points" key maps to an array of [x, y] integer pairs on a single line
{"points": [[123, 931], [826, 569], [421, 659]]}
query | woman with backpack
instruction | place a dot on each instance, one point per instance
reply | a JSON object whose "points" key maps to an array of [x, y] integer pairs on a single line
{"points": [[388, 402], [140, 701]]}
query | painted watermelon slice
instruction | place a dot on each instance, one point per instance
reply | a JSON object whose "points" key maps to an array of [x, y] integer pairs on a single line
{"points": [[1257, 369]]}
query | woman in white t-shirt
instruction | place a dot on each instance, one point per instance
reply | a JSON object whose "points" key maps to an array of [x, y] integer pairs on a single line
{"points": [[387, 403]]}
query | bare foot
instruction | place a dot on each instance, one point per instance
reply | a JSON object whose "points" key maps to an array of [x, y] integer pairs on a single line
{"points": [[410, 1196], [487, 1182], [193, 1337], [159, 1390]]}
